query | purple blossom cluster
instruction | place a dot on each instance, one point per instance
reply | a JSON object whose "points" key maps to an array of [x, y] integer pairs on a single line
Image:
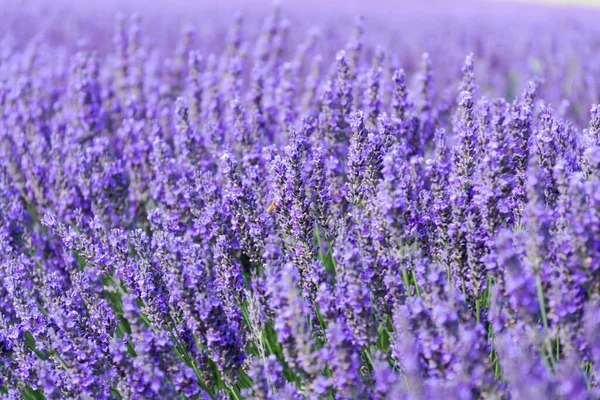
{"points": [[271, 217]]}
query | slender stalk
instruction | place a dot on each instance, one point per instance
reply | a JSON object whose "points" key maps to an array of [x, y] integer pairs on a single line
{"points": [[540, 292]]}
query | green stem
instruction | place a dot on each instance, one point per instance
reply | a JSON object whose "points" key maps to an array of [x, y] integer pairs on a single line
{"points": [[558, 348], [234, 393], [416, 283], [319, 241], [540, 292], [405, 280]]}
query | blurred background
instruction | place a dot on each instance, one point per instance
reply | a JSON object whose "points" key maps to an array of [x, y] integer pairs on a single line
{"points": [[71, 18], [563, 2], [554, 42]]}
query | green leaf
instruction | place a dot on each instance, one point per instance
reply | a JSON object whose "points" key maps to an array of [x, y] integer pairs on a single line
{"points": [[30, 394]]}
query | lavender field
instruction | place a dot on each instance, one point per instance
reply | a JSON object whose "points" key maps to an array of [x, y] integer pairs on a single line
{"points": [[313, 200]]}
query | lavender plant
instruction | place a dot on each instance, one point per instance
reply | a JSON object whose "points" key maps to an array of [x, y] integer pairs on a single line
{"points": [[280, 215]]}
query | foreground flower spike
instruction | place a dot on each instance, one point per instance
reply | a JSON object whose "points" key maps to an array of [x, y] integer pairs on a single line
{"points": [[373, 98], [592, 321], [149, 371], [523, 367], [400, 102], [353, 293], [406, 356], [464, 163], [357, 159], [594, 128], [521, 115], [344, 360], [344, 93], [293, 328], [246, 209]]}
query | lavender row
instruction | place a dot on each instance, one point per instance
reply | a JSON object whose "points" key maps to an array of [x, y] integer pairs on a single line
{"points": [[268, 222]]}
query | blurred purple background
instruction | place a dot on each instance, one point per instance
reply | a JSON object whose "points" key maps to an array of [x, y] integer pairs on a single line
{"points": [[60, 19], [513, 42]]}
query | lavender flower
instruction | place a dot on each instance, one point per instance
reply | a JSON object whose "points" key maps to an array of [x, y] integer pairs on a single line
{"points": [[296, 212]]}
